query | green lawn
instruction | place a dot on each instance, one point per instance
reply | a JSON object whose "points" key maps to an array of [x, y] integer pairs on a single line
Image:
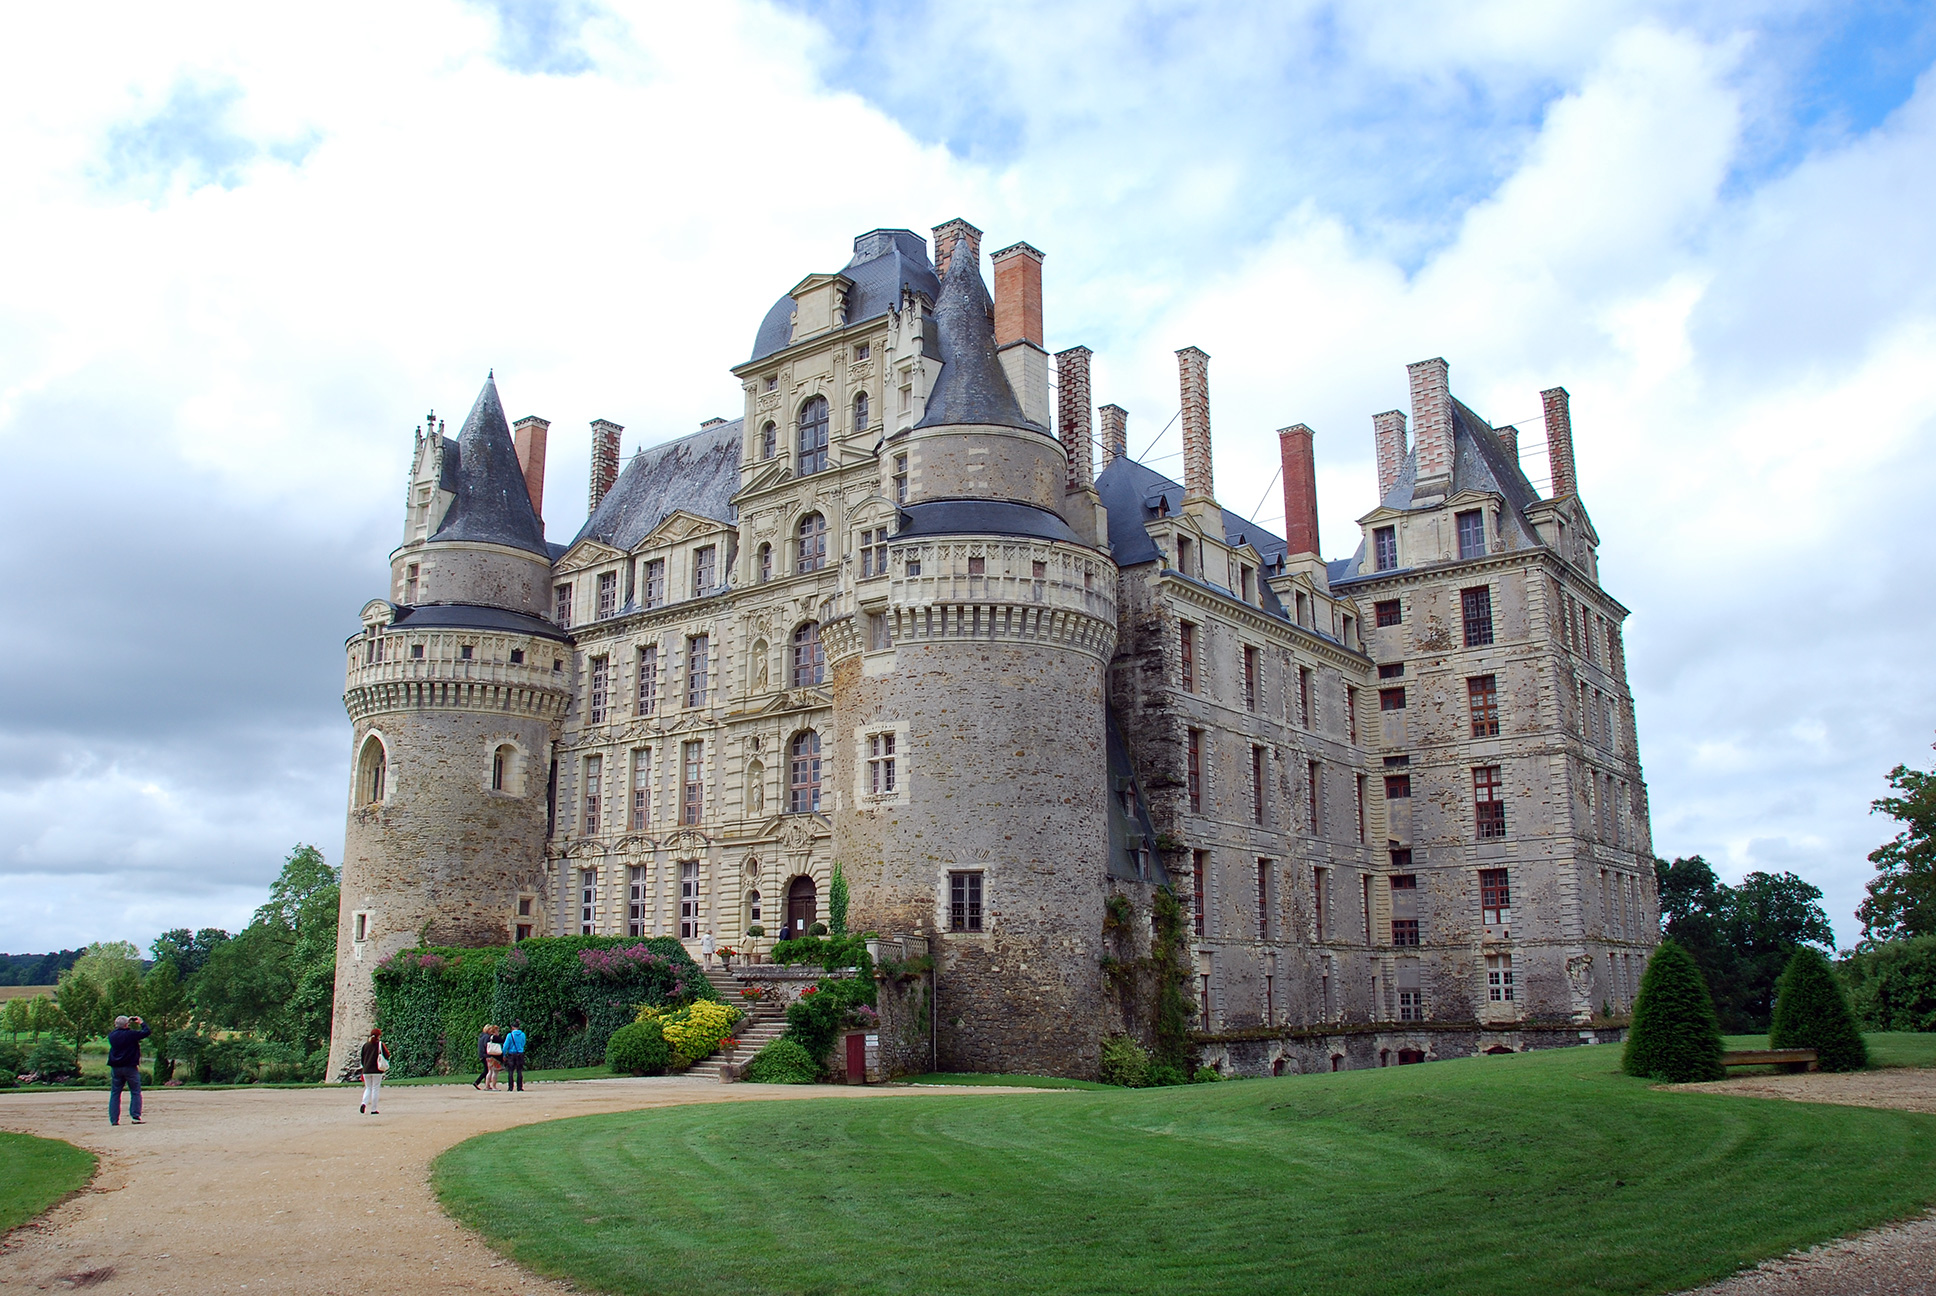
{"points": [[1886, 1049], [1020, 1081], [39, 1172], [1534, 1173]]}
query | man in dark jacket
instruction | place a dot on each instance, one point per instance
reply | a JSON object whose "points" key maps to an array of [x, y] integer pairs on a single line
{"points": [[124, 1065]]}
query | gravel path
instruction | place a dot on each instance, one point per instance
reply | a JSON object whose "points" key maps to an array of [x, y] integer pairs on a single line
{"points": [[293, 1191], [1899, 1260]]}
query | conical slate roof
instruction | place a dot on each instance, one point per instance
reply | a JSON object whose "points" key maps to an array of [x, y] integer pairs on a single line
{"points": [[971, 388], [493, 506]]}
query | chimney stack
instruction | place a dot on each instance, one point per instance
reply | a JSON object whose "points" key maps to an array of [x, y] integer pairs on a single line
{"points": [[605, 434], [1018, 295], [1072, 408], [1115, 433], [1388, 434], [1557, 406], [1432, 424], [1300, 490], [944, 244], [528, 436], [1193, 375], [1509, 437]]}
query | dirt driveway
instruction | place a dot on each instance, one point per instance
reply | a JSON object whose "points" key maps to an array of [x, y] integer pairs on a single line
{"points": [[294, 1191]]}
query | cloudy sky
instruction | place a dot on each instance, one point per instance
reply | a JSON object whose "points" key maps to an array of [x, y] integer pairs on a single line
{"points": [[245, 252]]}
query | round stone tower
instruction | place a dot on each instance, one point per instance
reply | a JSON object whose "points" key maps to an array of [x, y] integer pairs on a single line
{"points": [[970, 736], [455, 687]]}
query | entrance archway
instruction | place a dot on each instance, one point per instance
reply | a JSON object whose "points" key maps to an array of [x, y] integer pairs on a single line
{"points": [[801, 907]]}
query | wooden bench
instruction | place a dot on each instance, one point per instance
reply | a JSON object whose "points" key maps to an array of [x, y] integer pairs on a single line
{"points": [[1769, 1057]]}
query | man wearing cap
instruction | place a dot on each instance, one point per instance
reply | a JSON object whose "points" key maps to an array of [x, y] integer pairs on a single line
{"points": [[124, 1065]]}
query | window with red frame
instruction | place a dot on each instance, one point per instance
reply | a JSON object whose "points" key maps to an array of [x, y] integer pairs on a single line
{"points": [[1495, 896], [1196, 771], [1489, 802], [1482, 695]]}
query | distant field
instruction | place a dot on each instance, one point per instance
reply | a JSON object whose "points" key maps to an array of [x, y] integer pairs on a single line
{"points": [[1509, 1176], [25, 992]]}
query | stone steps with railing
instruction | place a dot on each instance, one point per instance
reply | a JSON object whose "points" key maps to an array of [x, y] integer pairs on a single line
{"points": [[761, 1025]]}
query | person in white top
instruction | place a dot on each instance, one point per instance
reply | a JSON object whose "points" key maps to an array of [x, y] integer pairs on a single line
{"points": [[706, 947]]}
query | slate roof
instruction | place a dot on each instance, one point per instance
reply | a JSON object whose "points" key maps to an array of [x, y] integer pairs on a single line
{"points": [[1135, 494], [972, 387], [469, 616], [493, 504], [1480, 462], [983, 517], [884, 261], [697, 473]]}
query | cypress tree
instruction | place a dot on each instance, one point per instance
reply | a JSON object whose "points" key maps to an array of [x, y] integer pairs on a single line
{"points": [[1812, 1012], [1675, 1034], [837, 902]]}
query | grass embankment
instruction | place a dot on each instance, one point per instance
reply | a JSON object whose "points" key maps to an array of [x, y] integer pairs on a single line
{"points": [[1533, 1173], [1886, 1049], [1018, 1081], [39, 1172]]}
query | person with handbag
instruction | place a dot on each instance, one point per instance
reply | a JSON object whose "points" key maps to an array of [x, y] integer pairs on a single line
{"points": [[376, 1060], [493, 1056], [484, 1038]]}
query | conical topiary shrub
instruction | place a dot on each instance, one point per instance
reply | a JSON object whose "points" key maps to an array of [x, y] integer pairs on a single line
{"points": [[1675, 1035], [1812, 1012]]}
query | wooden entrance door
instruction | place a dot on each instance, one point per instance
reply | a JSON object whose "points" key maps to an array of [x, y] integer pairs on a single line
{"points": [[801, 907]]}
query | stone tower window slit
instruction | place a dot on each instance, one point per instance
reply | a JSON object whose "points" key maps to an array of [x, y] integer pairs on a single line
{"points": [[372, 771]]}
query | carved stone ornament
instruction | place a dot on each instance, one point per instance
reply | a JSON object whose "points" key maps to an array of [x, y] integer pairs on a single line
{"points": [[378, 613], [795, 832], [686, 839]]}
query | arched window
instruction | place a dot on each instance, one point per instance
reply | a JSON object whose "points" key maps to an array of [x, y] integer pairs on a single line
{"points": [[372, 771], [809, 662], [769, 440], [766, 563], [812, 543], [813, 436], [504, 771], [802, 906], [860, 412], [804, 785]]}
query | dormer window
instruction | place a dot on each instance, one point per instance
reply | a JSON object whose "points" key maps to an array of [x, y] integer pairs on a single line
{"points": [[1184, 554], [1384, 545], [1472, 533]]}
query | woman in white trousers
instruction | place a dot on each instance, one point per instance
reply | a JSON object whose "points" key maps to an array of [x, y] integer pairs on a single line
{"points": [[376, 1060]]}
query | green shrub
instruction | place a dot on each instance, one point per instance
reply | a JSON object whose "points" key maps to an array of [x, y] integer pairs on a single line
{"points": [[1124, 1062], [1675, 1035], [1812, 1012], [782, 1062], [1892, 986], [12, 1056], [1164, 1074], [638, 1049], [52, 1059], [825, 1011], [839, 952], [1207, 1075], [7, 1079], [818, 929]]}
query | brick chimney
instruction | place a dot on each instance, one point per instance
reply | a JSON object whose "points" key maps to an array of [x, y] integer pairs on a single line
{"points": [[1388, 433], [1558, 408], [605, 434], [1300, 489], [1115, 433], [1018, 295], [1193, 376], [1432, 424], [1072, 407], [528, 435], [944, 244], [1509, 437], [1018, 328]]}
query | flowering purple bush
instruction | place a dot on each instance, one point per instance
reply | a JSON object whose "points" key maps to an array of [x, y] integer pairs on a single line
{"points": [[620, 963], [411, 961]]}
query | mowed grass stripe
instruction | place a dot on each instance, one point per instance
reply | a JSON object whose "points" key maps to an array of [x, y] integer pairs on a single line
{"points": [[1534, 1173], [35, 1173]]}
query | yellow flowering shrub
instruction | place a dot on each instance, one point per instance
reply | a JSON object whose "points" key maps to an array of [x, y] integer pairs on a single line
{"points": [[695, 1030]]}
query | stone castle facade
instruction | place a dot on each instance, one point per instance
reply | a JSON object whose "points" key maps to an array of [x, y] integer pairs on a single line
{"points": [[892, 615]]}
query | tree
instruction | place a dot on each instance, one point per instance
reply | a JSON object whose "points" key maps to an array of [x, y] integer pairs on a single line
{"points": [[17, 1015], [81, 1006], [278, 974], [165, 1006], [1902, 895], [187, 950], [104, 961], [43, 1016], [837, 902], [1892, 985], [1741, 937], [1812, 1012], [1675, 1035]]}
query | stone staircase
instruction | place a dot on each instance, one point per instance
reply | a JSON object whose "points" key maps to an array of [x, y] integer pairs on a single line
{"points": [[762, 1024]]}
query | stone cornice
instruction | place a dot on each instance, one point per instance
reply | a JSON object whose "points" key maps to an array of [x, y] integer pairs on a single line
{"points": [[1362, 586], [1186, 590], [383, 696]]}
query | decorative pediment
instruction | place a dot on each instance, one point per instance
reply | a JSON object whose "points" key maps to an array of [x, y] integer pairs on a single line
{"points": [[636, 845], [1470, 499], [681, 526], [587, 553], [378, 613], [686, 839], [871, 511], [1381, 515]]}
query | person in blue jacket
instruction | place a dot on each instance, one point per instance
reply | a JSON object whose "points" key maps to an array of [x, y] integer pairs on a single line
{"points": [[124, 1065], [514, 1057]]}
